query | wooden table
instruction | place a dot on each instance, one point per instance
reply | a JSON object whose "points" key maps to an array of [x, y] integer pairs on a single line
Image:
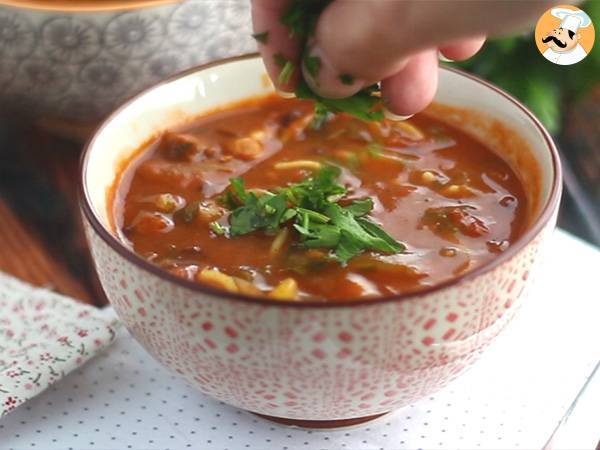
{"points": [[41, 235]]}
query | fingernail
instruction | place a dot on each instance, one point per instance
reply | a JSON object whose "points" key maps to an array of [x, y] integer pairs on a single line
{"points": [[285, 94], [442, 58], [395, 117], [324, 78]]}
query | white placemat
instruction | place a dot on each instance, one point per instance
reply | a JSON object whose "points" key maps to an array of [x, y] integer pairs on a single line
{"points": [[513, 398]]}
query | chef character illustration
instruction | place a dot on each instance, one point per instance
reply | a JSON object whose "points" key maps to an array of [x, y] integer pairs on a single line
{"points": [[563, 42]]}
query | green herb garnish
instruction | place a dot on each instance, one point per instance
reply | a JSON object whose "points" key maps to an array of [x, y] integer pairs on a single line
{"points": [[321, 115], [318, 217], [286, 72], [313, 65], [346, 78], [279, 59], [363, 104], [301, 17], [217, 228], [265, 212], [287, 67], [374, 149], [261, 37]]}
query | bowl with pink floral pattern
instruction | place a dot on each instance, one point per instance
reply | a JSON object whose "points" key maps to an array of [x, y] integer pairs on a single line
{"points": [[315, 364]]}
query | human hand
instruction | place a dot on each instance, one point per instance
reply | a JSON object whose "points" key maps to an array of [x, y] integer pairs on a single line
{"points": [[396, 42]]}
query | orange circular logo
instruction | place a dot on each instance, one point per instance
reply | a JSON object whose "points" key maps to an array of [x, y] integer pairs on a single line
{"points": [[564, 35]]}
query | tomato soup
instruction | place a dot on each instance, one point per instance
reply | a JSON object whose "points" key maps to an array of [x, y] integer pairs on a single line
{"points": [[258, 199]]}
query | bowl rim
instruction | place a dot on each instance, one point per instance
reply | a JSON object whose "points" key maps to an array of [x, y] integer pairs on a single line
{"points": [[83, 6], [115, 244]]}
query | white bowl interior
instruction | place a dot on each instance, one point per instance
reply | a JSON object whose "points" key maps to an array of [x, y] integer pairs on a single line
{"points": [[175, 102]]}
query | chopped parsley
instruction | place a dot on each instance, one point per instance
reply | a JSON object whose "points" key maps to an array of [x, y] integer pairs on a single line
{"points": [[217, 228], [261, 37], [312, 207], [301, 17], [346, 78], [363, 104], [322, 113], [280, 60], [313, 65], [286, 72], [287, 67]]}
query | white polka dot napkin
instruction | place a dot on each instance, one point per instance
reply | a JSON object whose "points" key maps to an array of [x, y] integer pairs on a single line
{"points": [[43, 337]]}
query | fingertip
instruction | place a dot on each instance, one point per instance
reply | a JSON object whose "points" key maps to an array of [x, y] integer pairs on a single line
{"points": [[412, 89], [285, 94], [395, 117], [442, 58], [463, 49]]}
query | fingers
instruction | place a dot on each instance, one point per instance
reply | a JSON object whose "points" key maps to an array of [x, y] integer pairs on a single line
{"points": [[266, 18], [358, 42], [355, 38], [462, 50], [372, 39], [413, 88]]}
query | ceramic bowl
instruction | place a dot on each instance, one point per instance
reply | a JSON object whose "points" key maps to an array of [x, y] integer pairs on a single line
{"points": [[76, 60], [314, 364]]}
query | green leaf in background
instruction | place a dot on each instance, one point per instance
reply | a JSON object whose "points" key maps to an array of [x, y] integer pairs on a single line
{"points": [[514, 64]]}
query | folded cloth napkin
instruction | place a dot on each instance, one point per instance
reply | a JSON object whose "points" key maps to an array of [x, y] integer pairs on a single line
{"points": [[43, 337]]}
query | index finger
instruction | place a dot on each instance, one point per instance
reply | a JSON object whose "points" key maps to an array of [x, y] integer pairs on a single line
{"points": [[274, 41]]}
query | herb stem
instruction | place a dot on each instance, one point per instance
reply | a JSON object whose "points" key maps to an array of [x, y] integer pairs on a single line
{"points": [[286, 73]]}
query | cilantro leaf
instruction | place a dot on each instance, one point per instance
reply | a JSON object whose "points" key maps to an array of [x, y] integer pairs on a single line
{"points": [[217, 228], [362, 237], [288, 215], [320, 117], [279, 59], [313, 215], [319, 220], [377, 231], [319, 236], [265, 212], [239, 190], [261, 37], [245, 219], [346, 79], [313, 192], [301, 16], [313, 65], [359, 208], [286, 73], [347, 248], [363, 105]]}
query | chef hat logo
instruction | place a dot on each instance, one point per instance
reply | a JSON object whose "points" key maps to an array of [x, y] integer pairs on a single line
{"points": [[571, 20], [564, 35]]}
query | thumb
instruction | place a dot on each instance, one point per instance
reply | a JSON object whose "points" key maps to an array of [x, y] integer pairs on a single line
{"points": [[365, 41]]}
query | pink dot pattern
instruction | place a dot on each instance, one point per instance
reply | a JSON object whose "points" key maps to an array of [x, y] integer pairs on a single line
{"points": [[315, 363]]}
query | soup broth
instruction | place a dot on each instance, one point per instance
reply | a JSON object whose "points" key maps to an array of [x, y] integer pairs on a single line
{"points": [[451, 202]]}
